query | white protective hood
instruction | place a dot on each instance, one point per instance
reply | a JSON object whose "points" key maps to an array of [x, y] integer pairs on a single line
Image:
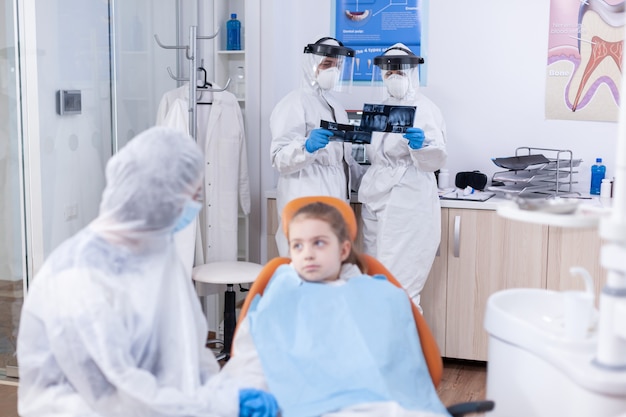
{"points": [[111, 325]]}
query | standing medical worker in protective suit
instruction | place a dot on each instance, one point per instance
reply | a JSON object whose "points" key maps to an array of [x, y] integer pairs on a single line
{"points": [[307, 161], [401, 211], [111, 325]]}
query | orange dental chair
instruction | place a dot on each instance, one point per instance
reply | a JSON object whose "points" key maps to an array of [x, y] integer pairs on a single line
{"points": [[430, 349]]}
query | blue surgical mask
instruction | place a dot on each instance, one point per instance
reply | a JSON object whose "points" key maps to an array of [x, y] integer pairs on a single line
{"points": [[190, 211]]}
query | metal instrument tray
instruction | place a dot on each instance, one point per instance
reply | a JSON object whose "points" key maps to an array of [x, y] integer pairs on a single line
{"points": [[528, 176], [520, 162]]}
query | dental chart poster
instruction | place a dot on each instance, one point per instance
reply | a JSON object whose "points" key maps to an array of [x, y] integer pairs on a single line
{"points": [[371, 26], [584, 60]]}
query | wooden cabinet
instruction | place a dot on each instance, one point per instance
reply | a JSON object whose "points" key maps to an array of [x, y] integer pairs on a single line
{"points": [[486, 253], [574, 247], [482, 253], [433, 296], [272, 226]]}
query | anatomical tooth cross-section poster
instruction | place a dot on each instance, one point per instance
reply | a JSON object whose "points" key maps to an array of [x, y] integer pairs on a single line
{"points": [[585, 50]]}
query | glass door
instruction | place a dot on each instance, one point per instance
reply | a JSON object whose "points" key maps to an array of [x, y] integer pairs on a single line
{"points": [[102, 56], [59, 137], [12, 265]]}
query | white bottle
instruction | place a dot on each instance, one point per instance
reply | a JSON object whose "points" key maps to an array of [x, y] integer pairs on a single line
{"points": [[444, 179], [240, 83], [605, 188]]}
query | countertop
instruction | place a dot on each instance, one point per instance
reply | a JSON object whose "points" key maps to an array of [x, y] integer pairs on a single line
{"points": [[589, 212], [490, 204]]}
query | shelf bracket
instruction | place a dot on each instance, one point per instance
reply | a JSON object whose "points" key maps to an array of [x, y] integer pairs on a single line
{"points": [[209, 36], [219, 89], [156, 38], [169, 71]]}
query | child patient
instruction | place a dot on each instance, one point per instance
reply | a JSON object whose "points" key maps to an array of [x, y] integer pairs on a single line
{"points": [[328, 340]]}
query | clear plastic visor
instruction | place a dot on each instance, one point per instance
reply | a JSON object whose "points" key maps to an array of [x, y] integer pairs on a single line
{"points": [[329, 72]]}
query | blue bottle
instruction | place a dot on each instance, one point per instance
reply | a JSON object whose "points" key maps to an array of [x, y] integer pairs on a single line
{"points": [[597, 175], [233, 33]]}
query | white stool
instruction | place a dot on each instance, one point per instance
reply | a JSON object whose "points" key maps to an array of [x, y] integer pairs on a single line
{"points": [[229, 273]]}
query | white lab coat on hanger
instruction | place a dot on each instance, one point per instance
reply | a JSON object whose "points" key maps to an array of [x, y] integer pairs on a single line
{"points": [[220, 133]]}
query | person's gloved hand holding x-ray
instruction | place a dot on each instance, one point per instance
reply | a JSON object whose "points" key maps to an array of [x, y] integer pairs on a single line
{"points": [[318, 139], [257, 403], [415, 136]]}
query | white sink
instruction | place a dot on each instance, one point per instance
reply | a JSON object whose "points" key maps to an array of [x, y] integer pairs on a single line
{"points": [[534, 370], [531, 316]]}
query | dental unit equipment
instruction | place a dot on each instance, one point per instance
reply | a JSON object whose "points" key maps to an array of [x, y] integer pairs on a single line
{"points": [[547, 355]]}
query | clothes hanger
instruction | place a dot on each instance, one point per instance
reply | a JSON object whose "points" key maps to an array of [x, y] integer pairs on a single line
{"points": [[203, 85]]}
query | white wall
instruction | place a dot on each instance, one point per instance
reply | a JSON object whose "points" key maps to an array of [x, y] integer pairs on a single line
{"points": [[286, 27], [486, 64]]}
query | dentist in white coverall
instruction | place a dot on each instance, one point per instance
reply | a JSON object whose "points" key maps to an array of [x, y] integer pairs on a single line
{"points": [[401, 211], [307, 161], [111, 324]]}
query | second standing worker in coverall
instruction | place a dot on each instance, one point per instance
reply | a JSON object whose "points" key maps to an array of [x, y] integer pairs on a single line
{"points": [[401, 211]]}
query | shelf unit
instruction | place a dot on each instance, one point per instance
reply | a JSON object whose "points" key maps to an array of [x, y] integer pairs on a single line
{"points": [[226, 61]]}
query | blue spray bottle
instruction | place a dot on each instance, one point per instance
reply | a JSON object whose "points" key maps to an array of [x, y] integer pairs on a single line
{"points": [[598, 170], [233, 33]]}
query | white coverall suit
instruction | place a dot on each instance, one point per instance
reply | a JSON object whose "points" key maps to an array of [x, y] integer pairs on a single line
{"points": [[401, 211], [303, 173], [111, 325], [307, 164]]}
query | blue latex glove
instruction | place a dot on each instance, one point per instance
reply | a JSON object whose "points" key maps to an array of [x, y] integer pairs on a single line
{"points": [[317, 140], [415, 136], [257, 403]]}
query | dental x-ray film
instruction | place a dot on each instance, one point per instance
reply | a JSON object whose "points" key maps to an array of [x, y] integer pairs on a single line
{"points": [[346, 133], [376, 118], [385, 118]]}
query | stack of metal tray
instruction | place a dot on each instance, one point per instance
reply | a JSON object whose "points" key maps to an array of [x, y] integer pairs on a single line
{"points": [[530, 173]]}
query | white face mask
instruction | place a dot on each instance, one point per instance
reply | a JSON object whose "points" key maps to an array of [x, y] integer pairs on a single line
{"points": [[328, 78], [397, 85]]}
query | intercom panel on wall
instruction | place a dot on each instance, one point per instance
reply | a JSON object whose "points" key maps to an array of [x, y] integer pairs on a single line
{"points": [[69, 102]]}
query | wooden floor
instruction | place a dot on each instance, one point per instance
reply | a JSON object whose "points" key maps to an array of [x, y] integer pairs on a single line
{"points": [[8, 399], [462, 381]]}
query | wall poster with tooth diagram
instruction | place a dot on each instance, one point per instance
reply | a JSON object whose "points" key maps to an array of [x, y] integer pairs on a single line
{"points": [[584, 59], [371, 26]]}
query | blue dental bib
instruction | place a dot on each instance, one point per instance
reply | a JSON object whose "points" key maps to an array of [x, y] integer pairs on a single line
{"points": [[326, 347]]}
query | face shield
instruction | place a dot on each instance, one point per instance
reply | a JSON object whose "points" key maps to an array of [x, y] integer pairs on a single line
{"points": [[396, 73], [329, 65]]}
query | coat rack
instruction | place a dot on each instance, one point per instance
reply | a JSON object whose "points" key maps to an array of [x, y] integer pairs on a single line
{"points": [[191, 53]]}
